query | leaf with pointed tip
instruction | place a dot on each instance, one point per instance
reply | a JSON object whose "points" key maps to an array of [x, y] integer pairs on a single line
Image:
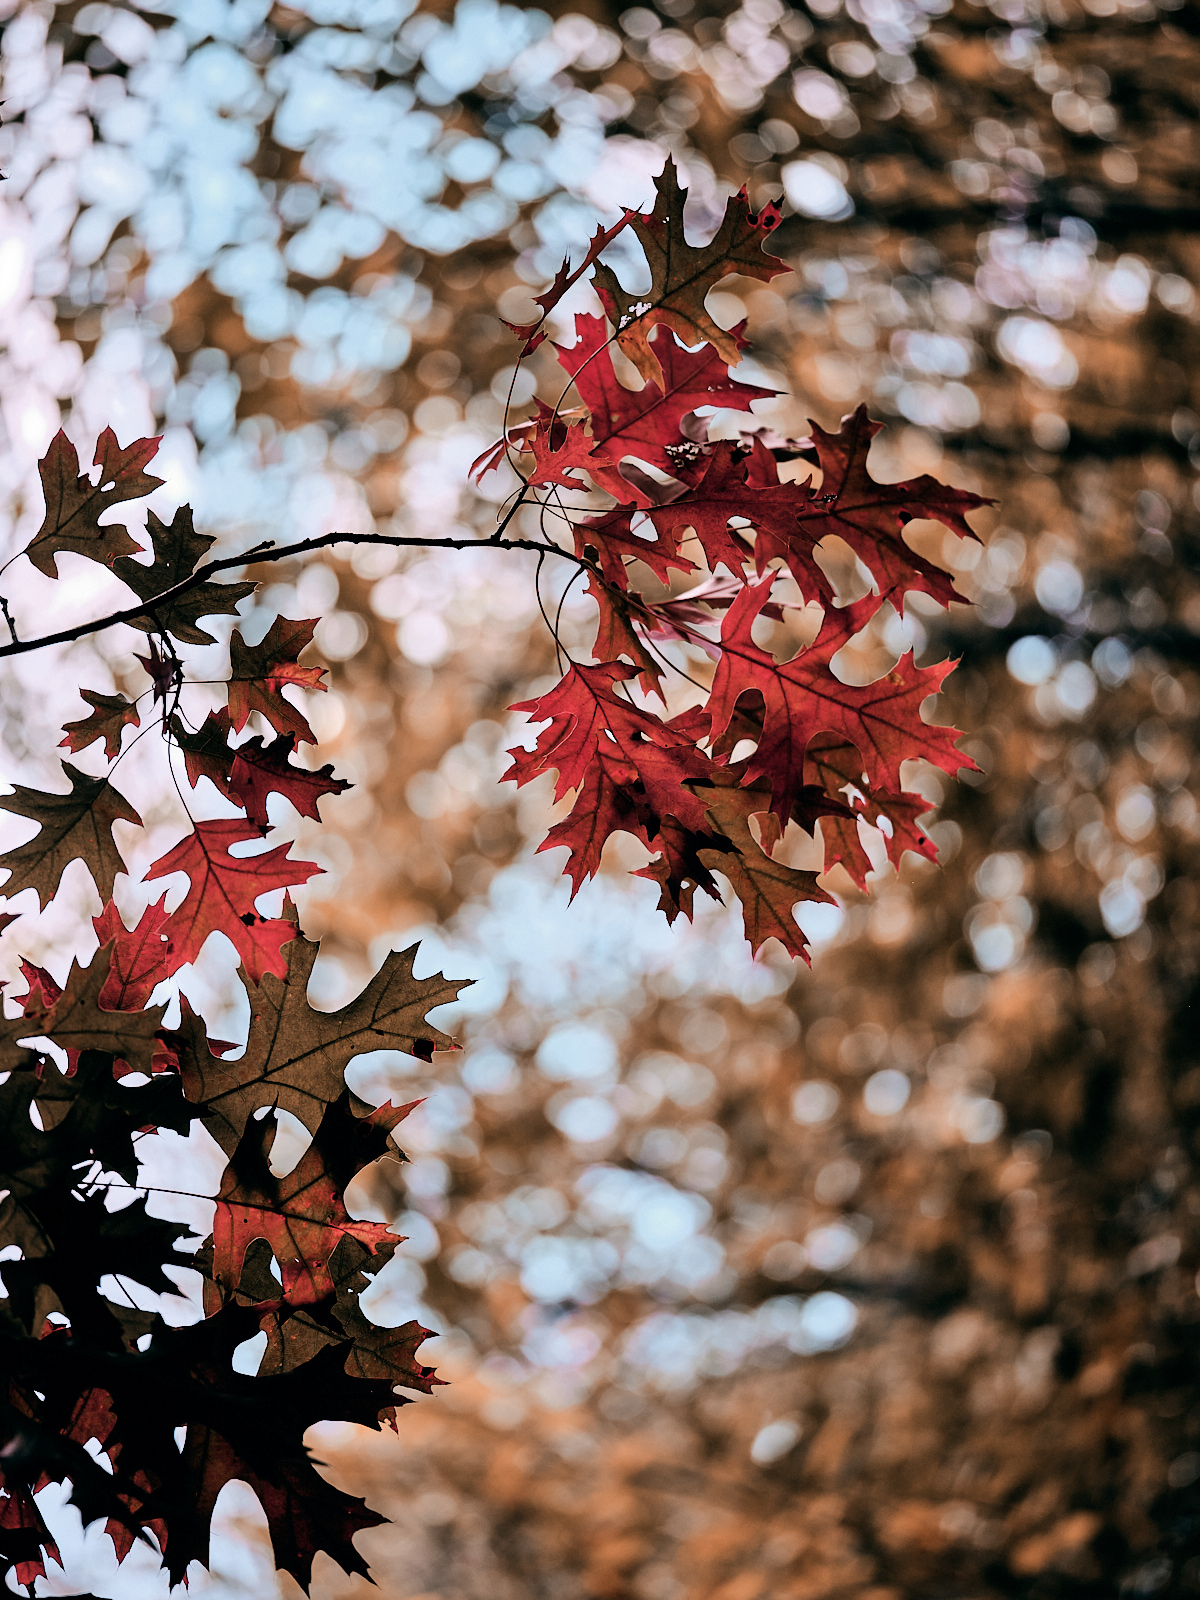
{"points": [[74, 504], [610, 540], [111, 714], [746, 486], [561, 449], [645, 422], [682, 274], [385, 1353], [767, 889], [802, 698], [222, 892], [614, 540], [140, 957], [533, 332], [74, 827], [587, 716], [206, 753], [178, 548], [301, 1216], [839, 767], [296, 1057], [237, 1427], [80, 1020], [631, 769], [261, 769], [259, 673], [871, 516], [26, 1543], [617, 634]]}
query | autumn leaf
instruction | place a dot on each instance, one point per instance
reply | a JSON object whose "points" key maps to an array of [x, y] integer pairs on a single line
{"points": [[259, 674], [646, 422], [388, 1354], [560, 449], [609, 541], [222, 892], [871, 516], [139, 958], [80, 1020], [260, 769], [111, 714], [532, 332], [206, 753], [612, 539], [682, 274], [74, 504], [301, 1215], [768, 890], [73, 827], [839, 768], [296, 1057], [746, 487], [802, 697], [178, 549]]}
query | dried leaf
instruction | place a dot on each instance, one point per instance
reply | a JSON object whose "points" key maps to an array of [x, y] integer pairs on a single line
{"points": [[111, 714], [74, 504], [178, 549], [682, 274], [259, 674], [73, 827]]}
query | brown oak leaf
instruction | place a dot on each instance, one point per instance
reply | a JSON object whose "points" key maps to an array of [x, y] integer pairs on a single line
{"points": [[296, 1057], [178, 548], [74, 826], [259, 673], [682, 274], [74, 503]]}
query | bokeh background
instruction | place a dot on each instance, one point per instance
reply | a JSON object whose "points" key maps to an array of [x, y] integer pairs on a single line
{"points": [[874, 1280]]}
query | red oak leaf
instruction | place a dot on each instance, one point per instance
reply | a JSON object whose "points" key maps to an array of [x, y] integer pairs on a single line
{"points": [[259, 674], [206, 753], [222, 895], [618, 633], [260, 769], [870, 516], [747, 486], [111, 713], [839, 768], [301, 1215], [139, 955], [644, 422], [559, 449], [611, 540], [802, 698], [631, 769], [43, 993], [585, 717]]}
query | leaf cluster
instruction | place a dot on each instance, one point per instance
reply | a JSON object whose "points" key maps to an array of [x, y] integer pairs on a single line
{"points": [[146, 1418], [711, 782]]}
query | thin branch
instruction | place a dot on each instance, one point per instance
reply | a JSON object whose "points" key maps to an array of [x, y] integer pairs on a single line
{"points": [[268, 552]]}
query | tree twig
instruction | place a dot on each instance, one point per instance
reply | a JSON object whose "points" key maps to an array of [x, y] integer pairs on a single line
{"points": [[269, 552]]}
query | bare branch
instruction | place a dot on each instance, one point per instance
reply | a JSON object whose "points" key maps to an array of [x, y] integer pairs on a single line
{"points": [[269, 552]]}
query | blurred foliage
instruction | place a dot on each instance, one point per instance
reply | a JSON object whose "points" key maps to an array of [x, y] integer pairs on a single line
{"points": [[877, 1280]]}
